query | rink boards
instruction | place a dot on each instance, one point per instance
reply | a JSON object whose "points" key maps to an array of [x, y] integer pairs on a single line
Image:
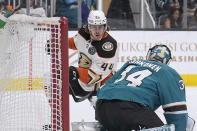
{"points": [[135, 44]]}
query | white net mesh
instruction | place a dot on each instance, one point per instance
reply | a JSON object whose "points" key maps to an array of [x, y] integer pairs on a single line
{"points": [[30, 74]]}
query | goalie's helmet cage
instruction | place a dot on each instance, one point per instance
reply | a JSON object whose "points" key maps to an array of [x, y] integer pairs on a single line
{"points": [[161, 53]]}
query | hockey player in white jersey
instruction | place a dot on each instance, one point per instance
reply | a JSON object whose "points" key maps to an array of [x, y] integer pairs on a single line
{"points": [[97, 52]]}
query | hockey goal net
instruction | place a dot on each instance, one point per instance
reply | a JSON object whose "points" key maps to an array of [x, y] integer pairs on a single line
{"points": [[33, 74]]}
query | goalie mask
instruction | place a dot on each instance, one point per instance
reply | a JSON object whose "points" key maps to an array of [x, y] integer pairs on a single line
{"points": [[159, 52]]}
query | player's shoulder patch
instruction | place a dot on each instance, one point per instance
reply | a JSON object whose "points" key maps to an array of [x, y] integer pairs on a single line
{"points": [[109, 43], [84, 34], [106, 47]]}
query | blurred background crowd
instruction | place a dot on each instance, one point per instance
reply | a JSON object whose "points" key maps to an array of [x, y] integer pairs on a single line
{"points": [[121, 14]]}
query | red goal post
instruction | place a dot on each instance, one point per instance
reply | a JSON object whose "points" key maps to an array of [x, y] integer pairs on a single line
{"points": [[34, 91]]}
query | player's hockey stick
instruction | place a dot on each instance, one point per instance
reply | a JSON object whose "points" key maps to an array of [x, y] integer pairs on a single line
{"points": [[190, 124], [79, 99]]}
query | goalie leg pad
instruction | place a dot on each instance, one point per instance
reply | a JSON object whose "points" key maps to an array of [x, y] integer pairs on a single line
{"points": [[74, 84], [170, 127]]}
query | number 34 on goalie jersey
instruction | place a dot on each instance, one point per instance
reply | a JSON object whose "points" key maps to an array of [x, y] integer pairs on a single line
{"points": [[147, 82], [151, 84]]}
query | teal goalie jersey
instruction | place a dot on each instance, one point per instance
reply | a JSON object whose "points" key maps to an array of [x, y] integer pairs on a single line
{"points": [[152, 84]]}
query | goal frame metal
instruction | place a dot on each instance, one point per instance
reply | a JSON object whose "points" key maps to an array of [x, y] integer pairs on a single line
{"points": [[65, 85]]}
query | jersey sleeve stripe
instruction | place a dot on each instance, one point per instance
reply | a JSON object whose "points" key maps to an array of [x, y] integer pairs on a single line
{"points": [[83, 75], [176, 112], [104, 80], [175, 108], [71, 43], [174, 104]]}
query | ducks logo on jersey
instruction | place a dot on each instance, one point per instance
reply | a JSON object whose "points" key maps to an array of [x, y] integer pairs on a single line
{"points": [[84, 61]]}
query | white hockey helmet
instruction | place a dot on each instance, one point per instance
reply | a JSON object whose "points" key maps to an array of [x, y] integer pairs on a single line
{"points": [[97, 17]]}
